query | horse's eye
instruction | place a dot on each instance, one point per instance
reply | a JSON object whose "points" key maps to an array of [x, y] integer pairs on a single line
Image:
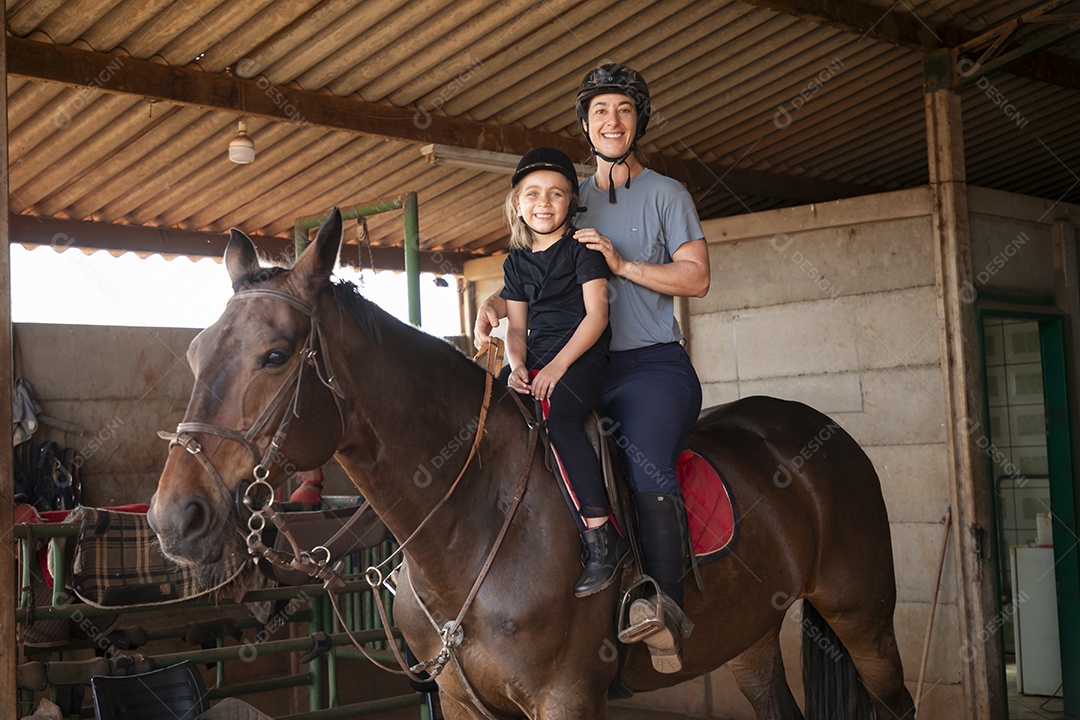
{"points": [[275, 358]]}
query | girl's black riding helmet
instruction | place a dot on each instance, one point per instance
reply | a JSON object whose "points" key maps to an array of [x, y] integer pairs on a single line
{"points": [[549, 158]]}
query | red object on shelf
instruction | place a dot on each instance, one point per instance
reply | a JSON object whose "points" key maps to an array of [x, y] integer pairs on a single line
{"points": [[311, 488]]}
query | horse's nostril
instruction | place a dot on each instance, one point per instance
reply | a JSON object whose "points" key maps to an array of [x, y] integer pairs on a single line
{"points": [[195, 517]]}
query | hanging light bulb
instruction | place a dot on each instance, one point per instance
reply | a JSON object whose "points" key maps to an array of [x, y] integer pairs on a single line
{"points": [[241, 147]]}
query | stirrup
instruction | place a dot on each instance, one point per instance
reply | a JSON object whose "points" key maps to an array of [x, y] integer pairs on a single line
{"points": [[637, 632]]}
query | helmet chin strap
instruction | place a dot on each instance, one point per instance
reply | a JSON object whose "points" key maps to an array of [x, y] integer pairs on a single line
{"points": [[565, 222], [621, 160]]}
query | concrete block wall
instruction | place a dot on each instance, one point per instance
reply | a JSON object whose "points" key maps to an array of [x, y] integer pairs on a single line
{"points": [[122, 384], [835, 305], [1012, 249]]}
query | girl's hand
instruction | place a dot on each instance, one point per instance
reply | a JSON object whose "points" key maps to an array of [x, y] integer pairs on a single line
{"points": [[544, 382], [519, 381], [487, 319], [593, 240]]}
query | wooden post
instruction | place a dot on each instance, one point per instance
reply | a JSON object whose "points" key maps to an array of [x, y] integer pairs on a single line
{"points": [[8, 659], [980, 633]]}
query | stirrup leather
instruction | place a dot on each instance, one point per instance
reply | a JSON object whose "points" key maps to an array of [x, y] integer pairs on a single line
{"points": [[637, 632]]}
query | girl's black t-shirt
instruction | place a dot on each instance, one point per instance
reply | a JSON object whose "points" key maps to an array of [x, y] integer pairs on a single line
{"points": [[550, 282]]}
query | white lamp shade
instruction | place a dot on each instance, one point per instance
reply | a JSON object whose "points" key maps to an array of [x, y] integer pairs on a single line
{"points": [[242, 149]]}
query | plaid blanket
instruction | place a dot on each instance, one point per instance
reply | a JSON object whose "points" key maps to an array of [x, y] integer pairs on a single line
{"points": [[118, 562]]}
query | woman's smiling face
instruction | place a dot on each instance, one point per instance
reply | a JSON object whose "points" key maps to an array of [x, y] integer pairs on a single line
{"points": [[612, 123]]}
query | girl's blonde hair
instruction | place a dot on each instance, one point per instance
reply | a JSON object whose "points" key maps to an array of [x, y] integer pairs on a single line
{"points": [[520, 235]]}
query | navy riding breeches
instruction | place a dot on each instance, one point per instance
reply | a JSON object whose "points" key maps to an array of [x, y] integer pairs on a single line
{"points": [[653, 398]]}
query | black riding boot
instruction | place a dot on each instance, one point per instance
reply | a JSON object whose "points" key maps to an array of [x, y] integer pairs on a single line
{"points": [[608, 551], [662, 529], [662, 532]]}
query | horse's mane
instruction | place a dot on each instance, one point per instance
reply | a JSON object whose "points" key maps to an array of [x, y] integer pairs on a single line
{"points": [[369, 316]]}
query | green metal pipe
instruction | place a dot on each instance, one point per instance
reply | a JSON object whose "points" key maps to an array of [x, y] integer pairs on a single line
{"points": [[220, 679], [331, 680], [329, 658], [270, 647], [362, 708], [257, 686], [27, 531], [177, 631], [282, 593], [59, 570], [315, 667], [302, 225], [248, 650], [351, 653], [27, 555], [412, 256], [350, 598]]}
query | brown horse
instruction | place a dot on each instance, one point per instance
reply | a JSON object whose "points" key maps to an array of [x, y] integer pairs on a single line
{"points": [[398, 409]]}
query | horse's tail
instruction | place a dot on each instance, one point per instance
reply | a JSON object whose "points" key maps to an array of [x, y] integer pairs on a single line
{"points": [[833, 690]]}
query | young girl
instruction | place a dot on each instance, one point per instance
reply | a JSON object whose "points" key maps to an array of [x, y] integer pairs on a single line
{"points": [[558, 336]]}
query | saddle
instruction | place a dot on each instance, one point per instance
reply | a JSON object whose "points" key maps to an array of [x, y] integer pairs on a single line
{"points": [[711, 523], [710, 507]]}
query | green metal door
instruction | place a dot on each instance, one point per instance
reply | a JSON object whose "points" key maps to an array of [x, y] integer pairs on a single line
{"points": [[1063, 507], [1044, 344]]}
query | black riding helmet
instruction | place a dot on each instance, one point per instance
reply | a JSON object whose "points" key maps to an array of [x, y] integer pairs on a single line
{"points": [[549, 158], [614, 78]]}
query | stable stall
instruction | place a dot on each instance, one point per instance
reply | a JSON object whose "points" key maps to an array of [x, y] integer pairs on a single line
{"points": [[889, 195]]}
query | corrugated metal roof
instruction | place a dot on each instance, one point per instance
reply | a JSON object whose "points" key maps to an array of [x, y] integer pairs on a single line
{"points": [[732, 84]]}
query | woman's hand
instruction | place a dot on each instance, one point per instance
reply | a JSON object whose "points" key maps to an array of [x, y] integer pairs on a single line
{"points": [[593, 240], [519, 381], [545, 381]]}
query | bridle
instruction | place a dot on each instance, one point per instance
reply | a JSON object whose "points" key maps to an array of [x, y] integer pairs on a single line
{"points": [[257, 496]]}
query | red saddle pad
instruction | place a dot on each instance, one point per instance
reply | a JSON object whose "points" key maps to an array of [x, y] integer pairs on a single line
{"points": [[710, 509]]}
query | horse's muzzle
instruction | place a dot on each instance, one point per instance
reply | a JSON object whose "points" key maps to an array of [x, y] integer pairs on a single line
{"points": [[185, 528]]}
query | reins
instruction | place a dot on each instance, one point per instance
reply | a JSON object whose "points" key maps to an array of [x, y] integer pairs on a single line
{"points": [[259, 495], [451, 633]]}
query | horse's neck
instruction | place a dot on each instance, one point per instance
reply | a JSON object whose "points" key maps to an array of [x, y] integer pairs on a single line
{"points": [[413, 415]]}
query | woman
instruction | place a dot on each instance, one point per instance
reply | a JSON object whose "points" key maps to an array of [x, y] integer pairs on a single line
{"points": [[646, 227], [557, 340]]}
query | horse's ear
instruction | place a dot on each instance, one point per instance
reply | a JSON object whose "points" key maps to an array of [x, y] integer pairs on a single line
{"points": [[240, 257], [317, 262]]}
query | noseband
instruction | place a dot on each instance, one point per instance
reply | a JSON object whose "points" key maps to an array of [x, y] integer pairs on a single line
{"points": [[261, 492]]}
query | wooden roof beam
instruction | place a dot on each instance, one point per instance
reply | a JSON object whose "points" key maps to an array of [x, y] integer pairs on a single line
{"points": [[119, 74], [903, 28]]}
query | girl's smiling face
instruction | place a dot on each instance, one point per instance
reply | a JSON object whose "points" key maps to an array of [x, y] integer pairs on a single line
{"points": [[612, 123], [543, 200]]}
